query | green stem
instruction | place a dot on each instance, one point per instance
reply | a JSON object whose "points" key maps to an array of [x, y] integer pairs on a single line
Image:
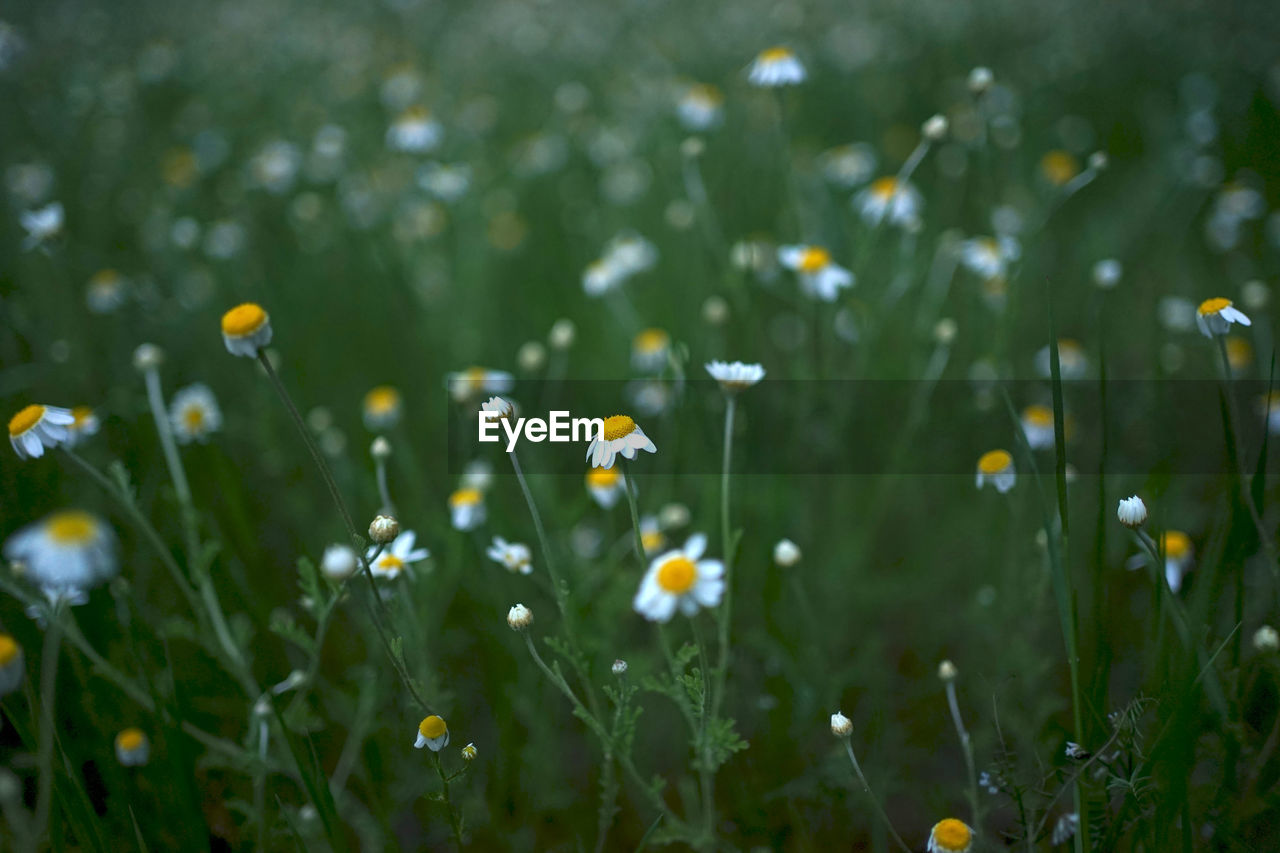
{"points": [[48, 695], [725, 613], [635, 518], [455, 820], [967, 746], [857, 769]]}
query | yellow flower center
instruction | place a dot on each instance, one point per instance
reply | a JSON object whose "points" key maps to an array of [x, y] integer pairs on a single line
{"points": [[130, 739], [71, 527], [243, 320], [1059, 167], [602, 478], [25, 420], [989, 246], [1038, 416], [652, 540], [705, 93], [813, 259], [952, 834], [1213, 306], [432, 727], [82, 414], [1176, 544], [390, 563], [618, 426], [415, 114], [193, 418], [9, 649], [474, 376], [883, 188], [775, 54], [1239, 352], [994, 461], [677, 575], [651, 341], [382, 400], [107, 279], [465, 497]]}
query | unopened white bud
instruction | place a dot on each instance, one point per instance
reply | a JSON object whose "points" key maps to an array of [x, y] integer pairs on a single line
{"points": [[1098, 161], [786, 553], [715, 311], [562, 334], [619, 667], [384, 529], [980, 79], [841, 726], [1266, 639], [339, 562], [531, 356], [380, 449], [935, 128], [947, 671], [147, 357], [1132, 512], [519, 617]]}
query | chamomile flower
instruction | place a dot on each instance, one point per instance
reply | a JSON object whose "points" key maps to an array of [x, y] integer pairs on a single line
{"points": [[1071, 359], [396, 557], [649, 350], [132, 747], [38, 426], [701, 107], [950, 836], [1178, 557], [820, 276], [466, 509], [989, 257], [85, 424], [11, 665], [477, 382], [735, 376], [630, 253], [888, 198], [194, 413], [381, 408], [849, 165], [66, 553], [414, 131], [996, 467], [1239, 354], [776, 66], [1037, 426], [514, 556], [1059, 167], [601, 276], [1215, 316], [246, 329], [339, 562], [433, 733], [1132, 512], [680, 579], [621, 435], [446, 181], [652, 539], [42, 224], [606, 486], [105, 292]]}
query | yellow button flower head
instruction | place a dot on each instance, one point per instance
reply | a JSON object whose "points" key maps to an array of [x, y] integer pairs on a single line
{"points": [[1178, 557], [38, 426], [621, 435], [132, 747], [469, 752], [950, 836], [1215, 316], [680, 579], [381, 408], [776, 66], [1037, 426], [246, 329], [11, 665], [605, 486], [649, 350], [466, 509], [432, 733], [996, 467]]}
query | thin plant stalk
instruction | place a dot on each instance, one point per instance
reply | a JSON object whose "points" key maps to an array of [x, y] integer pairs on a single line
{"points": [[857, 769], [45, 739], [637, 540], [725, 613], [455, 820], [967, 746]]}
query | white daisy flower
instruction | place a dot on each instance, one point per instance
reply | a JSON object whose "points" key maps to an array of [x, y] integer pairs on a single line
{"points": [[899, 202], [396, 557], [38, 426], [433, 733], [989, 257], [246, 329], [652, 539], [820, 277], [1215, 316], [950, 836], [132, 747], [601, 276], [621, 435], [194, 413], [42, 224], [446, 181], [606, 486], [1071, 360], [1037, 426], [996, 467], [786, 553], [735, 376], [11, 665], [1179, 557], [849, 165], [105, 292], [477, 382], [414, 131], [514, 556], [777, 66], [478, 474], [680, 579], [381, 408], [630, 253], [649, 350], [66, 553], [85, 424], [339, 562], [701, 107], [466, 509], [1132, 512]]}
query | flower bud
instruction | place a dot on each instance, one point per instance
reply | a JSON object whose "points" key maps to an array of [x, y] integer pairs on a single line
{"points": [[469, 752], [147, 357], [980, 79], [786, 553], [384, 529], [1266, 639], [619, 667], [947, 671], [519, 617], [935, 128], [380, 449], [841, 726], [1132, 512]]}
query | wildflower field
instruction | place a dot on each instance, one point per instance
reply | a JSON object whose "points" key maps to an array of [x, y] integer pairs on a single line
{"points": [[918, 489]]}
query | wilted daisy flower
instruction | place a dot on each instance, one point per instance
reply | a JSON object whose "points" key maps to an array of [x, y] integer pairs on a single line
{"points": [[396, 557], [1075, 751], [469, 752], [777, 66], [11, 665], [898, 201], [105, 292], [621, 435], [849, 165], [841, 726], [466, 509], [989, 257], [477, 382], [786, 553], [701, 107], [1071, 359], [84, 424], [820, 277], [132, 747], [605, 485], [1037, 425], [514, 556], [1178, 557], [1239, 354], [1107, 272], [1059, 167], [339, 562], [42, 224], [66, 553], [1132, 512], [432, 733], [36, 427], [996, 467], [680, 579], [735, 376], [246, 329], [194, 413], [649, 350], [381, 408], [414, 131], [950, 836], [1215, 316], [652, 539]]}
